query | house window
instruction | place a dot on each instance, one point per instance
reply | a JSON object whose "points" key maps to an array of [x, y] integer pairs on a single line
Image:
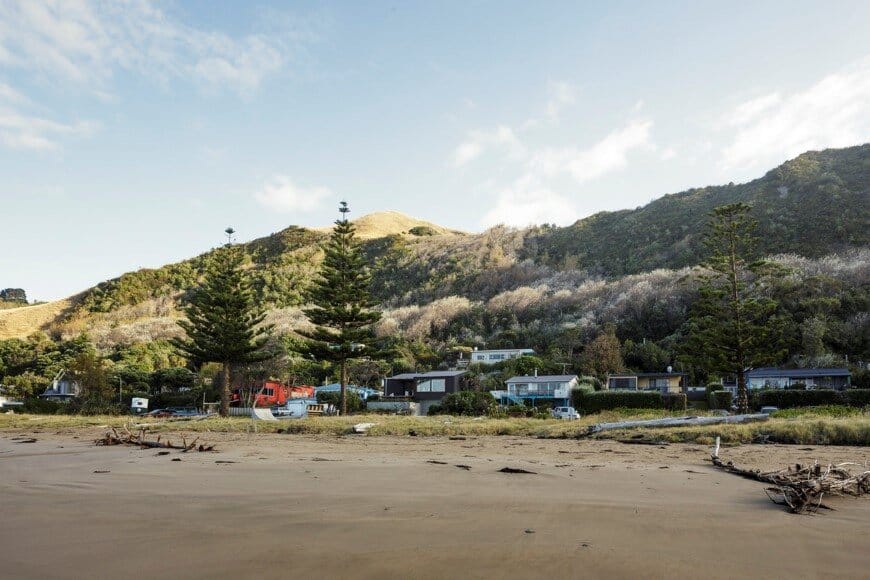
{"points": [[622, 383], [432, 386]]}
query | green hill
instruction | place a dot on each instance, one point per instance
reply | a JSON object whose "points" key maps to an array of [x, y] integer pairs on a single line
{"points": [[542, 285]]}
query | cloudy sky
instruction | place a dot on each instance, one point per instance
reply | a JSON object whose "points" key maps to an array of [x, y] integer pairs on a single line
{"points": [[133, 132]]}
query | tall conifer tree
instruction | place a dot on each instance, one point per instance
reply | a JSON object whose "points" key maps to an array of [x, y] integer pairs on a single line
{"points": [[733, 326], [223, 322], [341, 307]]}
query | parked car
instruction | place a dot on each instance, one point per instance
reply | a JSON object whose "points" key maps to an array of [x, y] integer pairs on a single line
{"points": [[565, 413]]}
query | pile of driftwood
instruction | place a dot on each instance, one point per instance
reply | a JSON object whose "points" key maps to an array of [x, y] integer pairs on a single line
{"points": [[138, 440], [801, 488]]}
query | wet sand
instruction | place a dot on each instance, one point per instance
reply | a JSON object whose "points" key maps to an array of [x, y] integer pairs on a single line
{"points": [[375, 507]]}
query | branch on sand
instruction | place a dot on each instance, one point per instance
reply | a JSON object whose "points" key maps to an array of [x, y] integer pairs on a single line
{"points": [[138, 440], [802, 488]]}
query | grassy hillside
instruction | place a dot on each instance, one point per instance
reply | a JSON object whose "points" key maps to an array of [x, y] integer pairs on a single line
{"points": [[434, 282], [812, 205]]}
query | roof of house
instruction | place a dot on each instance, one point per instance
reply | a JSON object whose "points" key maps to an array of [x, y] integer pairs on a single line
{"points": [[542, 379], [646, 375], [429, 375], [798, 373], [504, 350]]}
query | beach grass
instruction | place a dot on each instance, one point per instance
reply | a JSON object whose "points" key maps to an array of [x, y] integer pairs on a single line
{"points": [[803, 429]]}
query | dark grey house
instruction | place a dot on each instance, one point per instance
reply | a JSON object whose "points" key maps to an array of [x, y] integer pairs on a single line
{"points": [[424, 388], [774, 378]]}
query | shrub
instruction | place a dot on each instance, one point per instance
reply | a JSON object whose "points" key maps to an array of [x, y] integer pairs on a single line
{"points": [[43, 406], [720, 400], [435, 410], [712, 388], [675, 401], [607, 400], [856, 397], [474, 403], [588, 383], [354, 403], [788, 399]]}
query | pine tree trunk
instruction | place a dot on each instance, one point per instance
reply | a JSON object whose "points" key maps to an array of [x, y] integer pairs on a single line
{"points": [[343, 387], [225, 390], [742, 392]]}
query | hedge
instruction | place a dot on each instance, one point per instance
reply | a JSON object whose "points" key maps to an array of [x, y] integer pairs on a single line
{"points": [[607, 400], [675, 401], [720, 400], [785, 399]]}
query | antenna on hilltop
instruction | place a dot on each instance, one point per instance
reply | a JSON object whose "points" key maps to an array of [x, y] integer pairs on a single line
{"points": [[344, 210], [229, 232]]}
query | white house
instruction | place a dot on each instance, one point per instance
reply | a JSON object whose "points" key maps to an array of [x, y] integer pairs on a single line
{"points": [[554, 388], [490, 357]]}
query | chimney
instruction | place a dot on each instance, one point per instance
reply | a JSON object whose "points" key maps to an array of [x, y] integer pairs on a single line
{"points": [[536, 371], [670, 369]]}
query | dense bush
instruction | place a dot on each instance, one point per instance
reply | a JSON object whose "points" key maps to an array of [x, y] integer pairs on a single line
{"points": [[856, 397], [712, 388], [43, 406], [675, 401], [435, 410], [473, 403], [607, 400], [797, 387], [354, 403], [788, 399], [720, 400]]}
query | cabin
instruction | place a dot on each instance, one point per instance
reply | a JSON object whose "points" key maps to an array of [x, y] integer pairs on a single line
{"points": [[491, 357], [776, 378], [61, 390], [555, 389], [426, 389], [668, 382]]}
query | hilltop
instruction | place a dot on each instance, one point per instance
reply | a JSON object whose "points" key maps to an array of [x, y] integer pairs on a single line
{"points": [[392, 223]]}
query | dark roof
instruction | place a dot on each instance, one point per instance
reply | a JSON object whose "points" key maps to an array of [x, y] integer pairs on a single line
{"points": [[798, 373], [647, 375], [542, 379], [429, 375]]}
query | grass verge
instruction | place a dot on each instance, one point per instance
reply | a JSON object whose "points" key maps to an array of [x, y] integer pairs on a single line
{"points": [[805, 429]]}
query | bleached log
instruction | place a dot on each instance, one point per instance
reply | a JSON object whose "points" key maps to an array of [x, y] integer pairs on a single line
{"points": [[677, 422]]}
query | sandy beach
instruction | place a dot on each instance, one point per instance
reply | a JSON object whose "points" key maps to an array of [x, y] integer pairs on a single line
{"points": [[279, 506]]}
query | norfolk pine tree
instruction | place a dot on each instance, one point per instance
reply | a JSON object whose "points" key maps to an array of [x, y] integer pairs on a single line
{"points": [[733, 327], [223, 322], [340, 303]]}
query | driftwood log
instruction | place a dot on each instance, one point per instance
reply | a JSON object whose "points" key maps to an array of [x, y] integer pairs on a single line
{"points": [[802, 488], [676, 422], [138, 440]]}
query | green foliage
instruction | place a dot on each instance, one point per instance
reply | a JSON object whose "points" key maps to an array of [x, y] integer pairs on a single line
{"points": [[856, 397], [675, 401], [341, 309], [608, 400], [223, 323], [733, 325], [645, 357], [788, 399], [603, 355], [354, 403], [473, 403], [720, 400]]}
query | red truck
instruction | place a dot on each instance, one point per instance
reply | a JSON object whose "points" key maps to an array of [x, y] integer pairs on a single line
{"points": [[269, 394]]}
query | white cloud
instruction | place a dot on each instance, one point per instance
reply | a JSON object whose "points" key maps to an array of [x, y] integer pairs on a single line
{"points": [[526, 202], [607, 155], [281, 194], [86, 42], [834, 112], [561, 95], [477, 142], [24, 132], [11, 96]]}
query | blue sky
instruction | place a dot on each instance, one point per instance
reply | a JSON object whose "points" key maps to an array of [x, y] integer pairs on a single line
{"points": [[132, 133]]}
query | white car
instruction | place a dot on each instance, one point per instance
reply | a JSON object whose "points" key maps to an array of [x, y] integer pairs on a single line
{"points": [[565, 413]]}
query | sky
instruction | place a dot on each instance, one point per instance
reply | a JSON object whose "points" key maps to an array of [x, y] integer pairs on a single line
{"points": [[132, 133]]}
